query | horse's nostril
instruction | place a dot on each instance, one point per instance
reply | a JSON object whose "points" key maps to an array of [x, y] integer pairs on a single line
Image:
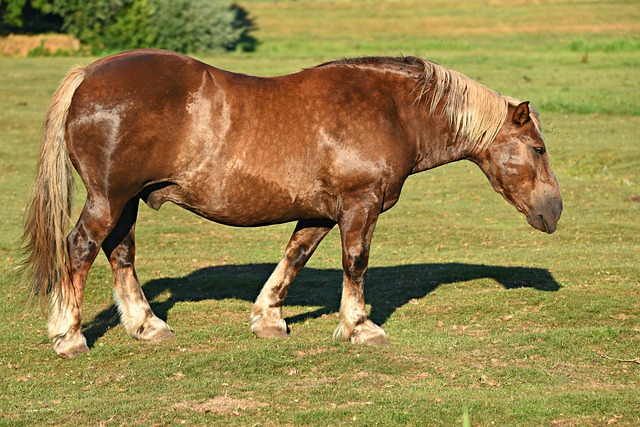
{"points": [[544, 224]]}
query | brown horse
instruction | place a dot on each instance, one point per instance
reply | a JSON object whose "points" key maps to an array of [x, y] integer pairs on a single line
{"points": [[328, 145]]}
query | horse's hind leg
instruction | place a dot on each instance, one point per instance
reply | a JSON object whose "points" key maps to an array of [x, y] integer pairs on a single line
{"points": [[266, 313], [83, 243], [135, 313]]}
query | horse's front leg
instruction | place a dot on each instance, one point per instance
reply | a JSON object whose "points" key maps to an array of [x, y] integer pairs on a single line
{"points": [[266, 314], [356, 230]]}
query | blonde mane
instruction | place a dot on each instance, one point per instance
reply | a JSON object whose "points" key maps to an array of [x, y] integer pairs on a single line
{"points": [[474, 112]]}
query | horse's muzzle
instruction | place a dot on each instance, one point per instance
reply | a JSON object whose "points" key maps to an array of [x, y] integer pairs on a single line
{"points": [[546, 217]]}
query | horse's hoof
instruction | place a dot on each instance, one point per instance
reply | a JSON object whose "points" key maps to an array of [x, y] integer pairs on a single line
{"points": [[73, 346], [154, 330], [372, 340], [270, 328], [369, 333], [270, 333], [157, 335]]}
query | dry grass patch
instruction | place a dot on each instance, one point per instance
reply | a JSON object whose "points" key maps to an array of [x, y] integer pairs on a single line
{"points": [[223, 405], [21, 45]]}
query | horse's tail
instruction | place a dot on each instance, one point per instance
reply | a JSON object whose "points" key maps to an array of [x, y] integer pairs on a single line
{"points": [[47, 215]]}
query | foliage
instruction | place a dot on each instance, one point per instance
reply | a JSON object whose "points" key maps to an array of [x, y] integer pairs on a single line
{"points": [[19, 16], [12, 11], [200, 26], [105, 24], [108, 25]]}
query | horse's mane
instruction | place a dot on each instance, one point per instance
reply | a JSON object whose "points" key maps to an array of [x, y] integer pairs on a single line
{"points": [[475, 112], [390, 61]]}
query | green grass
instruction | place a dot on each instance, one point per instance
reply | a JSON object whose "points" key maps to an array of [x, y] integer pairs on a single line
{"points": [[490, 321]]}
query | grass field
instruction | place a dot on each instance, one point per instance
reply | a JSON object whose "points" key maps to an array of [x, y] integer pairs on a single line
{"points": [[490, 321]]}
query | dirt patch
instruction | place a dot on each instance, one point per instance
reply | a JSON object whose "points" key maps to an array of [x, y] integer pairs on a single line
{"points": [[222, 405], [588, 421], [21, 45]]}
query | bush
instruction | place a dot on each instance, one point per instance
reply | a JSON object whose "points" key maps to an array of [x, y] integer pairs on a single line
{"points": [[28, 17], [104, 24], [186, 26], [200, 26]]}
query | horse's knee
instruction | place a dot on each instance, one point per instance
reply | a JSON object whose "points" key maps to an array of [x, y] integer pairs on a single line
{"points": [[356, 262], [80, 245]]}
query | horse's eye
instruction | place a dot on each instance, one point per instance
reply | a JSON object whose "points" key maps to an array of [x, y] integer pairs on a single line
{"points": [[540, 150]]}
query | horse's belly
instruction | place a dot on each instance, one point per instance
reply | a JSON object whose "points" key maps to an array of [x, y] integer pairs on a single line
{"points": [[248, 203]]}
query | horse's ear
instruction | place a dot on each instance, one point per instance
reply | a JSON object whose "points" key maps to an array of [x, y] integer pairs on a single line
{"points": [[522, 114]]}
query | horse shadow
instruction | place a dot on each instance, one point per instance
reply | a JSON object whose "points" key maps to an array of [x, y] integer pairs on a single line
{"points": [[386, 289]]}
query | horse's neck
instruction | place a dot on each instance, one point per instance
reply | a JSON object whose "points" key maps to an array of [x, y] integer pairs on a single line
{"points": [[436, 145]]}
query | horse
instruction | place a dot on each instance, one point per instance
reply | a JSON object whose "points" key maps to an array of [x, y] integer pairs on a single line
{"points": [[328, 145]]}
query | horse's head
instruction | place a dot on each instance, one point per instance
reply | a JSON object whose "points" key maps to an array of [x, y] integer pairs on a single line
{"points": [[517, 166]]}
